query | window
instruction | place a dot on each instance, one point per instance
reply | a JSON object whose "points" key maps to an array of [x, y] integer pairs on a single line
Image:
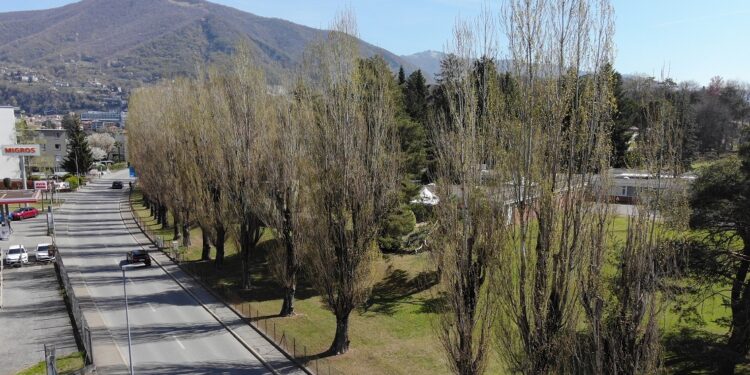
{"points": [[58, 134], [57, 146], [44, 147]]}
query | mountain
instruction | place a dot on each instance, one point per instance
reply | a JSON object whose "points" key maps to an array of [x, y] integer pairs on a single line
{"points": [[427, 61], [129, 42]]}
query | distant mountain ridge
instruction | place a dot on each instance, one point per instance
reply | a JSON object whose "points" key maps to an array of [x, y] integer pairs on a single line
{"points": [[428, 61], [133, 41]]}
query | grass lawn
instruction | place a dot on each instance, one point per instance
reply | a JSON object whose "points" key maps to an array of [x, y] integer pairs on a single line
{"points": [[394, 332], [65, 365]]}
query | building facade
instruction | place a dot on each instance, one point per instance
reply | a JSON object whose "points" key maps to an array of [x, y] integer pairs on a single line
{"points": [[53, 145], [10, 166]]}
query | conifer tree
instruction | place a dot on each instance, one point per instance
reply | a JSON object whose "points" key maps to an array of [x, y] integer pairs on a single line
{"points": [[79, 157]]}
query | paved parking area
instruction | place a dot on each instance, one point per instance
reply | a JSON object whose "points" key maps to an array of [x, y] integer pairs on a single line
{"points": [[33, 311]]}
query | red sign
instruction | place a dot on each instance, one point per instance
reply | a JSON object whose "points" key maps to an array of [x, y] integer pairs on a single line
{"points": [[21, 150], [41, 185]]}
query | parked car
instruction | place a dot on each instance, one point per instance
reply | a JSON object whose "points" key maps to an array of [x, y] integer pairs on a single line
{"points": [[16, 256], [24, 213], [45, 252], [139, 256], [117, 185], [62, 186]]}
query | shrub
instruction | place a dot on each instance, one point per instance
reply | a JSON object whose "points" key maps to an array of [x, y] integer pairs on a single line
{"points": [[74, 182], [7, 182], [118, 166], [397, 225]]}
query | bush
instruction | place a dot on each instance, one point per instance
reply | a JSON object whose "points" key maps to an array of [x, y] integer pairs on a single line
{"points": [[118, 166], [396, 226], [74, 182], [7, 182]]}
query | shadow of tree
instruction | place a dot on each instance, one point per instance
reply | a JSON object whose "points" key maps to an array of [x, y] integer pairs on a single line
{"points": [[395, 287], [692, 351]]}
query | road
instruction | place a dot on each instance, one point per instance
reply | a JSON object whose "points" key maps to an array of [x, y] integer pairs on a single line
{"points": [[171, 332]]}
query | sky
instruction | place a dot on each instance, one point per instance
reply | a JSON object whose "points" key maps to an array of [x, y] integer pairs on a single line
{"points": [[687, 40]]}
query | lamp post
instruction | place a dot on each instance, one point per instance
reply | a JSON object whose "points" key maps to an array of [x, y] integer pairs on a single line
{"points": [[127, 318]]}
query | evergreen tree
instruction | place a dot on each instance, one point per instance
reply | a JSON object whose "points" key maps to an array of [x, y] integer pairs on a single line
{"points": [[401, 76], [415, 96], [79, 157]]}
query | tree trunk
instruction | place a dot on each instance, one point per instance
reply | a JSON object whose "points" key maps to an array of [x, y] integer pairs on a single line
{"points": [[739, 339], [186, 234], [287, 307], [163, 216], [221, 234], [340, 343], [245, 252], [206, 251], [175, 230]]}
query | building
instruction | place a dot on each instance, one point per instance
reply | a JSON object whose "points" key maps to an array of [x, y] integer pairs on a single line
{"points": [[10, 166], [53, 147], [96, 120], [626, 184]]}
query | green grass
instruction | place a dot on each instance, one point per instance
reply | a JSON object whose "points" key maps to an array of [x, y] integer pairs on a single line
{"points": [[65, 365]]}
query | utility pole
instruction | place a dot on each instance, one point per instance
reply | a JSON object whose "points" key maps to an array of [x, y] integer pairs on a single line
{"points": [[127, 319]]}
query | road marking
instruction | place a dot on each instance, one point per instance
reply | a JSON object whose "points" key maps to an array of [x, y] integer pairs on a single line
{"points": [[178, 342], [151, 306]]}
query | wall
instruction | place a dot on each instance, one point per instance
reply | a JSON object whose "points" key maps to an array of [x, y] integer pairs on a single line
{"points": [[9, 165]]}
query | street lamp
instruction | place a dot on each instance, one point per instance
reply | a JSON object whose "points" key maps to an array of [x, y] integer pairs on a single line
{"points": [[127, 319]]}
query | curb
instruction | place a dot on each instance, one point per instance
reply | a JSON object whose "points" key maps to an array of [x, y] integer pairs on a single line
{"points": [[231, 331]]}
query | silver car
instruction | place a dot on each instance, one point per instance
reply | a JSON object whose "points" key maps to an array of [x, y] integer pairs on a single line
{"points": [[44, 253]]}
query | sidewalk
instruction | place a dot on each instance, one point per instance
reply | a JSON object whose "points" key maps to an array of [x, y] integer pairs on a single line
{"points": [[267, 351]]}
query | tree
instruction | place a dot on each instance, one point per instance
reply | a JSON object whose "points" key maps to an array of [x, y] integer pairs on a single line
{"points": [[98, 154], [281, 209], [79, 158], [470, 218], [401, 75], [721, 208], [103, 141], [353, 171], [415, 96]]}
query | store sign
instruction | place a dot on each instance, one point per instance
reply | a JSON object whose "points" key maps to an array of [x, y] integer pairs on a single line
{"points": [[40, 185], [21, 150]]}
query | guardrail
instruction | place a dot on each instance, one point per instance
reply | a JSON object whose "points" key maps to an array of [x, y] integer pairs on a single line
{"points": [[74, 305]]}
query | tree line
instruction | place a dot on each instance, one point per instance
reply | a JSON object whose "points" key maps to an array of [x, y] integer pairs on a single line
{"points": [[528, 260]]}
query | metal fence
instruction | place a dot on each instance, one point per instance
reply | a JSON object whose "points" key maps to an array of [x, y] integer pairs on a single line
{"points": [[314, 362], [81, 326]]}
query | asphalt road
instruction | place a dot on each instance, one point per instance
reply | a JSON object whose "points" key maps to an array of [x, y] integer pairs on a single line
{"points": [[171, 332]]}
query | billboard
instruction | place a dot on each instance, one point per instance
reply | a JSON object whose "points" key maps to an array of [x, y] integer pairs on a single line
{"points": [[21, 150]]}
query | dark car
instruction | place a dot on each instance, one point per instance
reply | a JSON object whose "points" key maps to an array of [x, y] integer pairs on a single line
{"points": [[117, 185], [24, 213], [139, 256]]}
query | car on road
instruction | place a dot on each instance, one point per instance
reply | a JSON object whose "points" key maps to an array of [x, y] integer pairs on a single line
{"points": [[138, 256], [44, 253], [117, 185], [16, 256], [24, 213]]}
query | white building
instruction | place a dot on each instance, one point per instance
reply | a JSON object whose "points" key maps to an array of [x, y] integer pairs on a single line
{"points": [[10, 166]]}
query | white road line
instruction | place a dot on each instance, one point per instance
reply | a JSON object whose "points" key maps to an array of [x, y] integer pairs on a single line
{"points": [[151, 306], [178, 342]]}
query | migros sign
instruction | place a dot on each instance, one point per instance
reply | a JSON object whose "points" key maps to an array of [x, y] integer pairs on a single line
{"points": [[21, 150]]}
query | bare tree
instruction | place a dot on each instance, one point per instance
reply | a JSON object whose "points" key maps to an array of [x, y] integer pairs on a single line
{"points": [[352, 176], [281, 206], [247, 103], [471, 216], [556, 142]]}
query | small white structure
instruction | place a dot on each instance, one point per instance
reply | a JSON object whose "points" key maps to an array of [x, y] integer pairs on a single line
{"points": [[426, 196], [10, 166]]}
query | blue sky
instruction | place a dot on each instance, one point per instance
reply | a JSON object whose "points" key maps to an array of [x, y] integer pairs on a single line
{"points": [[688, 39]]}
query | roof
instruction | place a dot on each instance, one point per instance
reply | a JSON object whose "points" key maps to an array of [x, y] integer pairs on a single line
{"points": [[19, 196]]}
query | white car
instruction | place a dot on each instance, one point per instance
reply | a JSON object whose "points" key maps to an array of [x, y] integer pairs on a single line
{"points": [[16, 256], [43, 253]]}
